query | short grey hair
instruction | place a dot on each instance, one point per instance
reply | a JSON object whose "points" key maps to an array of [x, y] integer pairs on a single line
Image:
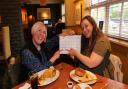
{"points": [[34, 27]]}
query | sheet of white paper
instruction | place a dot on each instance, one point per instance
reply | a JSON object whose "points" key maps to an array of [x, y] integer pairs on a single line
{"points": [[67, 42], [26, 86]]}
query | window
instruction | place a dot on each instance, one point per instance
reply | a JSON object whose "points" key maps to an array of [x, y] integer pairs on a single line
{"points": [[94, 14], [99, 15], [114, 19], [114, 16], [96, 1], [124, 31], [102, 0]]}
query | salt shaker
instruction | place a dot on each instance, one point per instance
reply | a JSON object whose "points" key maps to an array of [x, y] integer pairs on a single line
{"points": [[69, 84]]}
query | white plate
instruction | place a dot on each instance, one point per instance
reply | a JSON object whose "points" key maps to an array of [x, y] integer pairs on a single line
{"points": [[49, 80], [91, 80], [83, 86]]}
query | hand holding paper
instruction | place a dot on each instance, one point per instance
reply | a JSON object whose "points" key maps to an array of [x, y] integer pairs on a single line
{"points": [[67, 42]]}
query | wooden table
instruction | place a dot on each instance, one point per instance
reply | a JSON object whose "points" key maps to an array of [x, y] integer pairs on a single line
{"points": [[61, 82]]}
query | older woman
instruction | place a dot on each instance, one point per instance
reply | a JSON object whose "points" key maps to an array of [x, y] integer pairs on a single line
{"points": [[35, 55], [95, 48]]}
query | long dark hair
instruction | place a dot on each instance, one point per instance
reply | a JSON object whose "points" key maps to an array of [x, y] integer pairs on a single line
{"points": [[96, 33]]}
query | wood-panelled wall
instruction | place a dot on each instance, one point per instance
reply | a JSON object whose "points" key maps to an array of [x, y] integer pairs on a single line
{"points": [[69, 12]]}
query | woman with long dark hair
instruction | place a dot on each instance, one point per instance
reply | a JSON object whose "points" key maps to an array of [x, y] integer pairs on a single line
{"points": [[95, 47]]}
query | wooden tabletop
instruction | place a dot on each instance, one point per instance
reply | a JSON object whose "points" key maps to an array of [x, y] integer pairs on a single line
{"points": [[61, 82]]}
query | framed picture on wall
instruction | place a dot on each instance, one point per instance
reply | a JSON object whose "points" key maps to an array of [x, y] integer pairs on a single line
{"points": [[24, 16], [43, 13]]}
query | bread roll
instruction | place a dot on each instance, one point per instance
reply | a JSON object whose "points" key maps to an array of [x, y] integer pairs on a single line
{"points": [[79, 72]]}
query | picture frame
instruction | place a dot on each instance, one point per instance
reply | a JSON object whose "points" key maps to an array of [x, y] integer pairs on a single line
{"points": [[43, 13]]}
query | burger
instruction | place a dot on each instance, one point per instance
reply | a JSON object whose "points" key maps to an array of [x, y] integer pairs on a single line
{"points": [[79, 72]]}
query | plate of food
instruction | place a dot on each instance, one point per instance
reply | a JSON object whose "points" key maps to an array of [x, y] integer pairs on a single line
{"points": [[47, 76], [83, 76], [82, 86]]}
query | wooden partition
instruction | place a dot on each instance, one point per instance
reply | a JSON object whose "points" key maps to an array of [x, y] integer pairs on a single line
{"points": [[5, 50], [122, 52]]}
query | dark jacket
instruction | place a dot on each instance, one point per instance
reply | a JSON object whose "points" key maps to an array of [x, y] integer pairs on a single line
{"points": [[34, 60]]}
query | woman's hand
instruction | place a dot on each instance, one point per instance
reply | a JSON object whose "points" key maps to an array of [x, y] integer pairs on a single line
{"points": [[72, 52]]}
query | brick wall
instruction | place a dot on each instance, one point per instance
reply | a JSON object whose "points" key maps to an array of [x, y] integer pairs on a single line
{"points": [[10, 11]]}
